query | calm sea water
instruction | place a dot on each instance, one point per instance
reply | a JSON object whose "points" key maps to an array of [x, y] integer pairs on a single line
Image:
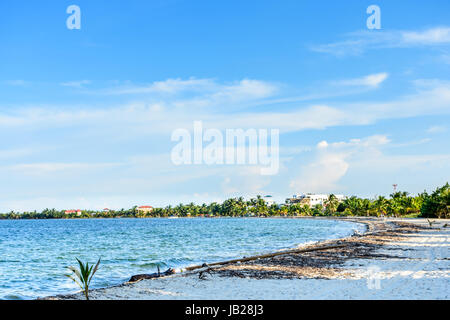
{"points": [[34, 254]]}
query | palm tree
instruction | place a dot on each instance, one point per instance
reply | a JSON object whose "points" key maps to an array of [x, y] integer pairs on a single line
{"points": [[317, 210], [394, 208], [261, 205], [331, 204], [381, 205], [436, 205], [354, 205], [83, 276]]}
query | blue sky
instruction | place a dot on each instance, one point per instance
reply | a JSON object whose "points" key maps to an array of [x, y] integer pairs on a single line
{"points": [[86, 115]]}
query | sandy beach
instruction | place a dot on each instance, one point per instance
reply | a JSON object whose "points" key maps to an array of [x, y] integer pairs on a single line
{"points": [[394, 259]]}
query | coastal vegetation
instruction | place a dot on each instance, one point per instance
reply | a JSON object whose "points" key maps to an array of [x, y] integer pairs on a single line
{"points": [[399, 204], [83, 275]]}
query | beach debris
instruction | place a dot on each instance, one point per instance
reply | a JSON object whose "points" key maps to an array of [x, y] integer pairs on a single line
{"points": [[203, 274], [325, 264], [279, 253], [158, 274]]}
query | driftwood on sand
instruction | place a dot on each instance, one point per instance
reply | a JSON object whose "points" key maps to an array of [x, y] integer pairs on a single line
{"points": [[264, 256], [158, 274], [170, 271]]}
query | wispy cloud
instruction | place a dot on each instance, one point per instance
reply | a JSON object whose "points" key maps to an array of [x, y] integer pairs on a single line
{"points": [[52, 167], [371, 80], [169, 86], [356, 43], [140, 118], [335, 161], [18, 83], [15, 153], [440, 35], [331, 163], [142, 128], [210, 89], [76, 84], [437, 129]]}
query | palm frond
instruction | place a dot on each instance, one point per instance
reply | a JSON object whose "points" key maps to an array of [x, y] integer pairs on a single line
{"points": [[95, 270], [84, 274], [74, 280]]}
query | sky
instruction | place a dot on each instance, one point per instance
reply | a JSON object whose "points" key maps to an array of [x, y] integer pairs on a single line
{"points": [[87, 115]]}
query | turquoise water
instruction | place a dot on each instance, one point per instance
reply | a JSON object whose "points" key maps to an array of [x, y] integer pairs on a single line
{"points": [[34, 254]]}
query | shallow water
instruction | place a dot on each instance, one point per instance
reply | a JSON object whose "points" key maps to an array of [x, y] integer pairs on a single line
{"points": [[34, 254]]}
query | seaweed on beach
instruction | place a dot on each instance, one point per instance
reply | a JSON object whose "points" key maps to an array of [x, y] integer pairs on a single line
{"points": [[323, 264]]}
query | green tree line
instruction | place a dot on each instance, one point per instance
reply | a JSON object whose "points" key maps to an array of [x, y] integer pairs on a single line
{"points": [[399, 204]]}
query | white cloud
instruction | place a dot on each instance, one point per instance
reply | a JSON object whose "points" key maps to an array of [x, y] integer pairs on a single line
{"points": [[356, 43], [375, 140], [76, 84], [146, 125], [143, 118], [430, 83], [15, 153], [437, 129], [245, 89], [322, 144], [363, 161], [19, 83], [371, 80], [413, 142], [321, 175], [440, 35], [169, 86], [332, 163], [50, 167], [208, 89], [244, 180], [147, 179], [394, 163]]}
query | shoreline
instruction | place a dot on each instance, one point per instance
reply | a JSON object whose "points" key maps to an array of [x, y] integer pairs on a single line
{"points": [[314, 245], [185, 270], [327, 265]]}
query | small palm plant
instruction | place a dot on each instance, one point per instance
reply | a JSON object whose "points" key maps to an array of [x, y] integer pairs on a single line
{"points": [[83, 276]]}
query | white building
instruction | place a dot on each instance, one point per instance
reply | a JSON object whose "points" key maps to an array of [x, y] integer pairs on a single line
{"points": [[313, 199]]}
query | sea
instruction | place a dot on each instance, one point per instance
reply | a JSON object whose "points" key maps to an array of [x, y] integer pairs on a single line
{"points": [[35, 254]]}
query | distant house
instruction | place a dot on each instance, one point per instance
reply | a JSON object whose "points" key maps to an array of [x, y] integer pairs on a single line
{"points": [[106, 210], [269, 200], [145, 209], [311, 199], [299, 199], [72, 211]]}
